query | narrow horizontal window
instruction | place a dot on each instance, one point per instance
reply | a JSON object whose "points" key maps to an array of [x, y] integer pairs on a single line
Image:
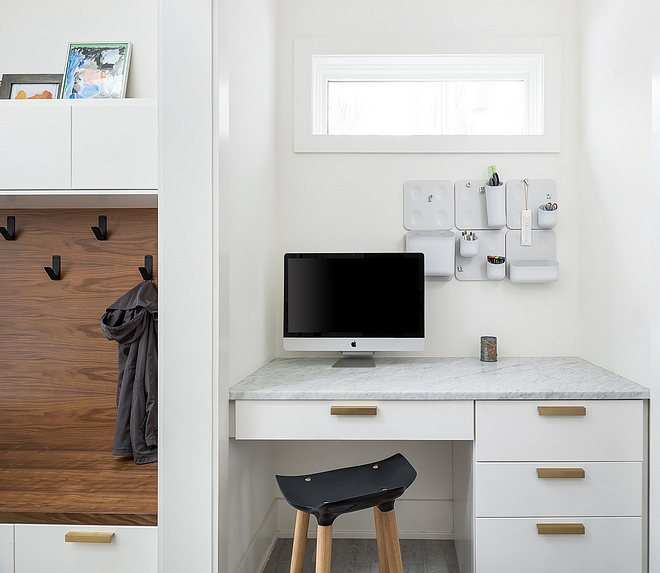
{"points": [[347, 101]]}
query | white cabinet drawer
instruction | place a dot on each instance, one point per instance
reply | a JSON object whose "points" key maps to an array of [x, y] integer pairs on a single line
{"points": [[394, 420], [42, 549], [516, 490], [608, 545], [6, 548], [611, 430]]}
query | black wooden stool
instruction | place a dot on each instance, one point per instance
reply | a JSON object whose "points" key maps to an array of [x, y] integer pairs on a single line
{"points": [[327, 495]]}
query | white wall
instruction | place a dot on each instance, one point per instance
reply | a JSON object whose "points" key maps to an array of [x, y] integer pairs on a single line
{"points": [[354, 202], [654, 314], [36, 34], [249, 169], [615, 178]]}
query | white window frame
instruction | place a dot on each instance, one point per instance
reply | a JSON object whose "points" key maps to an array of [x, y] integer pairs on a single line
{"points": [[315, 63]]}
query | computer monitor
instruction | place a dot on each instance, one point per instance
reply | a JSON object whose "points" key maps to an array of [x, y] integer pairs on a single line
{"points": [[355, 303]]}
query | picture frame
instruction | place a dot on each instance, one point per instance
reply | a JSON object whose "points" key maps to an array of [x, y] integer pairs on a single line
{"points": [[96, 70], [30, 86]]}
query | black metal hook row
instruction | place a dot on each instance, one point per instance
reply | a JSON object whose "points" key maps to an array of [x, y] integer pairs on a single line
{"points": [[100, 232], [54, 272]]}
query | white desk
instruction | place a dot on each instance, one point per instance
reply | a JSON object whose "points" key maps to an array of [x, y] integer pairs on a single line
{"points": [[519, 472]]}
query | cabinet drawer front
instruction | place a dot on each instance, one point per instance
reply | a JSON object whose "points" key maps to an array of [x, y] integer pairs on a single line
{"points": [[43, 548], [608, 545], [516, 490], [393, 420], [610, 430]]}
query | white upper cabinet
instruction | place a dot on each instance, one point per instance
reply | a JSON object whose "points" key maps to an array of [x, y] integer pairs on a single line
{"points": [[85, 145]]}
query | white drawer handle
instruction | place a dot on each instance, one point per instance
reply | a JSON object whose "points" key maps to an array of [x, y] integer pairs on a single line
{"points": [[560, 473], [562, 411], [353, 410], [89, 536], [560, 528]]}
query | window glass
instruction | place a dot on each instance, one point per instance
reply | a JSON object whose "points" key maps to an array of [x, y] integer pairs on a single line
{"points": [[426, 108]]}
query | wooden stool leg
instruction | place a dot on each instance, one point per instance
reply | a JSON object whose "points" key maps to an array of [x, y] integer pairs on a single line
{"points": [[299, 542], [392, 547], [380, 540], [324, 549]]}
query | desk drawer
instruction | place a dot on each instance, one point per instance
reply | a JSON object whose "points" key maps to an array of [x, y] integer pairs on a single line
{"points": [[393, 420], [608, 545], [516, 490], [43, 549], [609, 430]]}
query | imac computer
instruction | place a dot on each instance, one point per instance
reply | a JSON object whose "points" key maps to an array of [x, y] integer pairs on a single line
{"points": [[355, 303]]}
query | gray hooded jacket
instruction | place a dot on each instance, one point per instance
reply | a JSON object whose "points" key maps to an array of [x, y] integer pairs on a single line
{"points": [[133, 322]]}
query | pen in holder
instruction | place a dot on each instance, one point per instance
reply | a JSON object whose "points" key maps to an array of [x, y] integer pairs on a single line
{"points": [[469, 245], [495, 267], [547, 215]]}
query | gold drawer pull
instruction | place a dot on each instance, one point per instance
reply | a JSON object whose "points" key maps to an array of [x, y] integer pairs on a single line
{"points": [[353, 410], [89, 536], [562, 411], [560, 472], [560, 528]]}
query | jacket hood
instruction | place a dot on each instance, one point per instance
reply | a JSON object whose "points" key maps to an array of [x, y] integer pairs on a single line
{"points": [[143, 294], [126, 319]]}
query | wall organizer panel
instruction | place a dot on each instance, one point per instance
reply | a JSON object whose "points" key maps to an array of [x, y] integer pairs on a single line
{"points": [[59, 372]]}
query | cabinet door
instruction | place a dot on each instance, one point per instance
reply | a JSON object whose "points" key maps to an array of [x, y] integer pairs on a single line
{"points": [[43, 549], [35, 145], [6, 548], [114, 144]]}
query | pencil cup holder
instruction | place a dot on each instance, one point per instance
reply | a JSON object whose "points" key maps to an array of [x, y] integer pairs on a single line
{"points": [[469, 248], [495, 208], [495, 271], [488, 349], [547, 219]]}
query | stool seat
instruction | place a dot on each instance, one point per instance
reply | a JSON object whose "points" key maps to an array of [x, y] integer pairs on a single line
{"points": [[327, 495]]}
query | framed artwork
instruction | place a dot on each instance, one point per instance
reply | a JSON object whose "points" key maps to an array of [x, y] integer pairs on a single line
{"points": [[96, 71], [30, 86]]}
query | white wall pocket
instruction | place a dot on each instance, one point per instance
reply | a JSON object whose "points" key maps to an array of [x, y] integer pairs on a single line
{"points": [[438, 249]]}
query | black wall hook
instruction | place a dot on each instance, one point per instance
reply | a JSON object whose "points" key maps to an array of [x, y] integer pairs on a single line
{"points": [[101, 232], [9, 233], [147, 271], [54, 270]]}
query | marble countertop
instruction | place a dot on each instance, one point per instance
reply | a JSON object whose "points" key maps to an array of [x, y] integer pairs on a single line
{"points": [[547, 378]]}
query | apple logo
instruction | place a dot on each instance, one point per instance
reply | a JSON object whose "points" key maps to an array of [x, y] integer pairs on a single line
{"points": [[353, 344]]}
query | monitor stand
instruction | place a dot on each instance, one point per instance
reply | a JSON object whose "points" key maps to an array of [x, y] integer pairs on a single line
{"points": [[355, 360]]}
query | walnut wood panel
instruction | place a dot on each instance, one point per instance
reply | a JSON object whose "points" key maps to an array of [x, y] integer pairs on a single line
{"points": [[58, 378]]}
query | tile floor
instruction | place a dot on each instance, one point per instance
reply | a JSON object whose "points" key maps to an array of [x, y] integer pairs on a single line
{"points": [[361, 556]]}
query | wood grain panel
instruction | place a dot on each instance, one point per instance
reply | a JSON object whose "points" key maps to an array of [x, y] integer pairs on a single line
{"points": [[59, 372]]}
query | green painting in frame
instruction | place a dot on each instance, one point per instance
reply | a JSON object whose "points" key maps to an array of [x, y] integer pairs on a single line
{"points": [[96, 70]]}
